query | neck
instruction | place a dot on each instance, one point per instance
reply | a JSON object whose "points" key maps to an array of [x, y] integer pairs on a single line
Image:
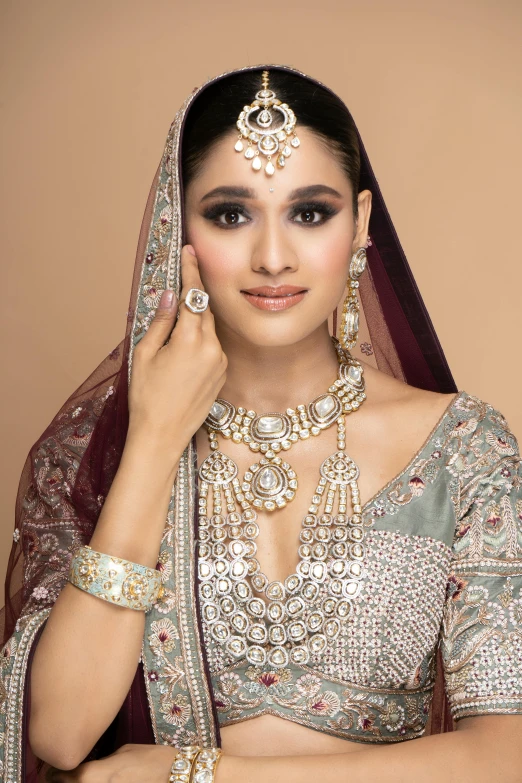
{"points": [[267, 378]]}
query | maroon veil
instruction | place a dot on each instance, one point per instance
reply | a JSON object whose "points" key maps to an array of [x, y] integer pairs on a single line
{"points": [[92, 423]]}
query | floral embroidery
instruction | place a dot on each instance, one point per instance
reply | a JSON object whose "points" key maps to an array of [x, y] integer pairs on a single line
{"points": [[501, 444], [152, 295], [418, 592], [471, 434], [164, 565], [164, 635], [367, 349], [411, 484], [166, 603], [40, 593], [455, 587], [341, 711], [177, 711], [481, 630]]}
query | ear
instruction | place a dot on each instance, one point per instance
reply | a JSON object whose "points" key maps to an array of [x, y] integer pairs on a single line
{"points": [[364, 200]]}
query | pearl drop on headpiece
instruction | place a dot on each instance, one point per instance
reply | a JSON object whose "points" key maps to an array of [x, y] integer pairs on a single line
{"points": [[267, 126]]}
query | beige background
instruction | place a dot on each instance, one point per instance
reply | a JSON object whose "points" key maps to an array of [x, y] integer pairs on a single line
{"points": [[88, 93]]}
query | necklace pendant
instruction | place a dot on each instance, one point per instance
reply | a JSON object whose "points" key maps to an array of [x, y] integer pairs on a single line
{"points": [[339, 468], [271, 484], [218, 469]]}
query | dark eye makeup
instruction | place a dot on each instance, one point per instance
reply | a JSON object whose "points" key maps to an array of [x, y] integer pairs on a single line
{"points": [[308, 214]]}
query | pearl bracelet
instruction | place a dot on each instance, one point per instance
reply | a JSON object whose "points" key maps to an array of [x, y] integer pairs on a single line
{"points": [[115, 580]]}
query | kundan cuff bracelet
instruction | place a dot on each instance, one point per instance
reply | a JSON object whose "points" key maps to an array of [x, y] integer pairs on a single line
{"points": [[117, 581], [205, 765], [194, 764], [181, 769]]}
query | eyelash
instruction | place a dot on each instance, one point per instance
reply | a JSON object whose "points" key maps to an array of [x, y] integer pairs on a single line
{"points": [[322, 207]]}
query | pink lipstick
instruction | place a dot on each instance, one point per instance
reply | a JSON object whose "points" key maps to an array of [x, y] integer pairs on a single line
{"points": [[274, 298]]}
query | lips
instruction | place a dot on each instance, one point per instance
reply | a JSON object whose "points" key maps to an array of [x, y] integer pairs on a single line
{"points": [[274, 291], [274, 298]]}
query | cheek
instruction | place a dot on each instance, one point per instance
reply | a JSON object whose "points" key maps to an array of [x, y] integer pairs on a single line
{"points": [[218, 262], [327, 253]]}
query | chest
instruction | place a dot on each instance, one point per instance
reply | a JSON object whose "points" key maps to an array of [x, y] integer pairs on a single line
{"points": [[380, 460], [315, 584], [375, 626]]}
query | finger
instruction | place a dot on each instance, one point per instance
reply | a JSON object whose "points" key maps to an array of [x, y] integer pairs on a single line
{"points": [[190, 278], [162, 324]]}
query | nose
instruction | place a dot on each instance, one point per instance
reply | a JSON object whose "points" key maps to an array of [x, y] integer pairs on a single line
{"points": [[272, 250]]}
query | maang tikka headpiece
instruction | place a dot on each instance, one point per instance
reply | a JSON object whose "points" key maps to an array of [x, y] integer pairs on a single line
{"points": [[268, 125]]}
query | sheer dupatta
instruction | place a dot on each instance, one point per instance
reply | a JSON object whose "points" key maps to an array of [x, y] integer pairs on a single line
{"points": [[70, 468]]}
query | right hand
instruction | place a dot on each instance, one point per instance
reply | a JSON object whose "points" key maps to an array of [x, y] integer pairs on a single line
{"points": [[173, 385]]}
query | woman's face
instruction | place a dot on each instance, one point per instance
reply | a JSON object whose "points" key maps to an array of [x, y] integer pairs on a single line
{"points": [[254, 233]]}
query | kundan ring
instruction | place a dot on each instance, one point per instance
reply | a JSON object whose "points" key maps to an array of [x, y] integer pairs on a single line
{"points": [[196, 300]]}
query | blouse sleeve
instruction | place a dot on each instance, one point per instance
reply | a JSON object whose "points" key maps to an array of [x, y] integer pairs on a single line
{"points": [[481, 635]]}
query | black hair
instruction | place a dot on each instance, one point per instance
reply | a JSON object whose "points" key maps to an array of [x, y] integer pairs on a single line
{"points": [[215, 111]]}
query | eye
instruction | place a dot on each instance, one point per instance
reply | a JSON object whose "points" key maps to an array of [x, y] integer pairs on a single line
{"points": [[231, 218], [308, 216], [226, 215], [313, 214]]}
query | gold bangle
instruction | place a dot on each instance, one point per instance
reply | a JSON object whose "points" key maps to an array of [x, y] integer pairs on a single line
{"points": [[181, 770], [205, 765]]}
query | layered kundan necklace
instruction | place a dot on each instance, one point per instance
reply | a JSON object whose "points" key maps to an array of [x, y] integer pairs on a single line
{"points": [[277, 622]]}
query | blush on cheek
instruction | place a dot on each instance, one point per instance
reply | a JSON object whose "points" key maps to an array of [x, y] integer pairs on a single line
{"points": [[329, 259], [217, 265]]}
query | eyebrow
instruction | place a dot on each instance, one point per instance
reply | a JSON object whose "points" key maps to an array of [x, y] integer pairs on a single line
{"points": [[230, 191], [309, 191]]}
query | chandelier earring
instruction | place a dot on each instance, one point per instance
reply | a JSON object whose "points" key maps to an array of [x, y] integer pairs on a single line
{"points": [[350, 315]]}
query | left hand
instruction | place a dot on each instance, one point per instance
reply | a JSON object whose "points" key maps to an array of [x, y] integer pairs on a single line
{"points": [[131, 763]]}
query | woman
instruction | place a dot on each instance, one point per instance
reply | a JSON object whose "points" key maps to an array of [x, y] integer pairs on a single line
{"points": [[337, 601]]}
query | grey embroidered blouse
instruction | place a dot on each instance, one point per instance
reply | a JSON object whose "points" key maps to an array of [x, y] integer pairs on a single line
{"points": [[443, 566]]}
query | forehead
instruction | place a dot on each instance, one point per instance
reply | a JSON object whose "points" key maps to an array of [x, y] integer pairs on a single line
{"points": [[311, 163]]}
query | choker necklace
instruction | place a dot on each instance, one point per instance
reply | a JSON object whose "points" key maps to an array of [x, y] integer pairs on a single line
{"points": [[271, 483], [303, 614]]}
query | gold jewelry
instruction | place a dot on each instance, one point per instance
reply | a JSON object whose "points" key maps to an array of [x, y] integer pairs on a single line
{"points": [[115, 580], [205, 765], [288, 623], [271, 482], [269, 125], [181, 769], [350, 314]]}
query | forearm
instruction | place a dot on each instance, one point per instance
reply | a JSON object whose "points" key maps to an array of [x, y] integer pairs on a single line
{"points": [[89, 650], [453, 757]]}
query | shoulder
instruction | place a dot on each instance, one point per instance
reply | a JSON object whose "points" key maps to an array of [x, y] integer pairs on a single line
{"points": [[401, 407], [482, 429], [484, 454], [465, 414]]}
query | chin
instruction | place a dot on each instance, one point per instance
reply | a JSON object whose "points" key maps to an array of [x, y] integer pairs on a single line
{"points": [[276, 336], [272, 330]]}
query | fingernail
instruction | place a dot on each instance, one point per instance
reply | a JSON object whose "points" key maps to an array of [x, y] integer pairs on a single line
{"points": [[166, 299], [191, 250]]}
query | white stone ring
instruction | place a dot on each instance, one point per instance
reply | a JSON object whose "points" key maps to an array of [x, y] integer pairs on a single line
{"points": [[196, 300]]}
